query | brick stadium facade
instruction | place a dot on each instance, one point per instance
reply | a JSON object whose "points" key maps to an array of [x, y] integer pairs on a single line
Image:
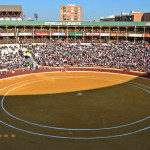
{"points": [[96, 32]]}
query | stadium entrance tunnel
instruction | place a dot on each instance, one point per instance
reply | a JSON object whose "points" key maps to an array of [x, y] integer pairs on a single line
{"points": [[27, 57], [30, 60], [76, 105]]}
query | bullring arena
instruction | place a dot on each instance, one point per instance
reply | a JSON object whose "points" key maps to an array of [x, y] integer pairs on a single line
{"points": [[74, 84], [73, 106]]}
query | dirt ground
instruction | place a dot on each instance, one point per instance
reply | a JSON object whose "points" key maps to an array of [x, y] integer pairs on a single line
{"points": [[75, 110]]}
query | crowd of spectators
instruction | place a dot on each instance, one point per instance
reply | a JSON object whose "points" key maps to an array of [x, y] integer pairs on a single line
{"points": [[12, 60], [123, 55]]}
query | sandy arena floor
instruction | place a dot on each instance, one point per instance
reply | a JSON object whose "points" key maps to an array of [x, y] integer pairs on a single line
{"points": [[75, 110]]}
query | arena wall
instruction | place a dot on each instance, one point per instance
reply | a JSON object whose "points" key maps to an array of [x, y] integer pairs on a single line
{"points": [[71, 69]]}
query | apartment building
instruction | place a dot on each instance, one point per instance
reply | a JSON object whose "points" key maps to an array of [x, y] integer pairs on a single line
{"points": [[70, 12]]}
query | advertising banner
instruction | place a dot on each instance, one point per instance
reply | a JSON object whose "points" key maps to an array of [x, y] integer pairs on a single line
{"points": [[135, 35], [7, 34], [120, 34], [104, 34], [60, 23], [113, 34], [42, 34], [75, 34], [92, 34], [148, 35], [24, 34], [58, 34]]}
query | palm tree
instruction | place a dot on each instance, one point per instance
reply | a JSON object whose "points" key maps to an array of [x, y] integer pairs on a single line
{"points": [[36, 16]]}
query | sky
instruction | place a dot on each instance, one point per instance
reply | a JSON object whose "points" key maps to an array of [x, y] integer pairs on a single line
{"points": [[49, 10]]}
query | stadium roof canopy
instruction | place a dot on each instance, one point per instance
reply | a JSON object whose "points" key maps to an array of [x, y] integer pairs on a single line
{"points": [[84, 23], [10, 8]]}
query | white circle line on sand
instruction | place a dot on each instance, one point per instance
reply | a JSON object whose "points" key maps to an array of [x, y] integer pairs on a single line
{"points": [[74, 138], [57, 128]]}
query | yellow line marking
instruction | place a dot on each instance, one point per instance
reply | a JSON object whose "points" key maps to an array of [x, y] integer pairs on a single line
{"points": [[70, 133], [6, 135], [13, 135], [62, 133]]}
